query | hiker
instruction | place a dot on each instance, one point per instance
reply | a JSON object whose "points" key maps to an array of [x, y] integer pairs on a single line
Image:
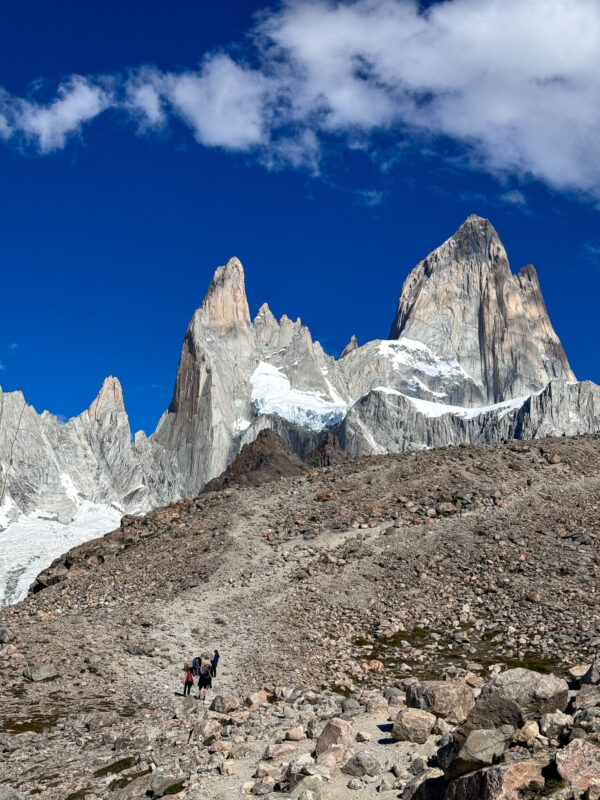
{"points": [[188, 680], [196, 667], [213, 664], [204, 682]]}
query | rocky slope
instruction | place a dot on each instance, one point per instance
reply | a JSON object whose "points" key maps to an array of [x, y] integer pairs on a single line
{"points": [[472, 357], [333, 593]]}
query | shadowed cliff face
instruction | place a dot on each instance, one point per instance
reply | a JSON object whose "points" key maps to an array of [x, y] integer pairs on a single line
{"points": [[464, 302]]}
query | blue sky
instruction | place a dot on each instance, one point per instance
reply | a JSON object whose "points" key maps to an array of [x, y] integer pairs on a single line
{"points": [[329, 148]]}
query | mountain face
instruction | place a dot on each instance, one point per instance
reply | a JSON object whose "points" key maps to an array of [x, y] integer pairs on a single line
{"points": [[464, 303], [472, 356]]}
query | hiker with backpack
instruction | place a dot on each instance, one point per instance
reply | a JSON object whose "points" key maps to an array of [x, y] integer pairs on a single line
{"points": [[188, 680], [197, 666], [204, 682]]}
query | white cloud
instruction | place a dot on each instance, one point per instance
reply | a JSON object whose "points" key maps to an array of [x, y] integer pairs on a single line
{"points": [[515, 85], [225, 104], [49, 125], [514, 197], [369, 197], [143, 98], [1, 366]]}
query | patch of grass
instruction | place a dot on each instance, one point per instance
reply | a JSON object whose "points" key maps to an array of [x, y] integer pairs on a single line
{"points": [[121, 783], [552, 786], [491, 634], [344, 691], [35, 724], [533, 661], [175, 788], [115, 767]]}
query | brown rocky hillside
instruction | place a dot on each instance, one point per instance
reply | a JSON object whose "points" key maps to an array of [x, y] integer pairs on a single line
{"points": [[350, 581]]}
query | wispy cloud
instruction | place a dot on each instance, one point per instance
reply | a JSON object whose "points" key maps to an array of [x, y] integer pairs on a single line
{"points": [[13, 346], [514, 197], [1, 365], [591, 251], [369, 197], [514, 84]]}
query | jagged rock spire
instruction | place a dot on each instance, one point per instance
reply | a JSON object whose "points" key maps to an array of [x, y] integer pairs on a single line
{"points": [[352, 345], [466, 305], [225, 305], [108, 398]]}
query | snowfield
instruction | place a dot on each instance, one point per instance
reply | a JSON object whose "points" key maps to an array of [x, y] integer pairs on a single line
{"points": [[431, 409], [272, 393], [408, 353], [30, 544]]}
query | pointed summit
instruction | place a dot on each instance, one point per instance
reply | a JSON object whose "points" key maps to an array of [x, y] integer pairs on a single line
{"points": [[464, 303], [352, 345], [225, 305], [108, 398], [265, 316]]}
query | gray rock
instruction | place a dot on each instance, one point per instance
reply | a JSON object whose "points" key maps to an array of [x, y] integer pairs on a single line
{"points": [[498, 782], [480, 749], [593, 673], [361, 764], [40, 672], [450, 700], [8, 793], [351, 707], [587, 696], [516, 696], [224, 704], [355, 783], [413, 725]]}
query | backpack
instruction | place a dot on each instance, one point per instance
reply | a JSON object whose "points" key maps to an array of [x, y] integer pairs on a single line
{"points": [[196, 667]]}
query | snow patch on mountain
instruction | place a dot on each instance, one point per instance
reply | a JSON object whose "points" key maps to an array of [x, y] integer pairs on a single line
{"points": [[30, 544], [272, 393], [408, 353], [431, 409]]}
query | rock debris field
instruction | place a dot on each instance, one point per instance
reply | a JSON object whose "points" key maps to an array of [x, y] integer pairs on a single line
{"points": [[420, 625]]}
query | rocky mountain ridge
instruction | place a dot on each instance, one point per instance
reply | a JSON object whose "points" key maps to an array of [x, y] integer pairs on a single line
{"points": [[472, 356]]}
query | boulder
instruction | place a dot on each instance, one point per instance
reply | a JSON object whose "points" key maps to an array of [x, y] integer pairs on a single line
{"points": [[413, 725], [40, 672], [4, 635], [338, 737], [593, 673], [428, 785], [480, 749], [276, 752], [579, 764], [500, 782], [515, 696], [450, 700], [362, 763], [587, 697], [256, 699], [224, 704], [552, 725]]}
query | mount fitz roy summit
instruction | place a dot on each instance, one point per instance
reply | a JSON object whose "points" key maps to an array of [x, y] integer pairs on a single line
{"points": [[471, 356]]}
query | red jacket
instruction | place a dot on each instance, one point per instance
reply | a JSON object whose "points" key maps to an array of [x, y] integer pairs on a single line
{"points": [[189, 678]]}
